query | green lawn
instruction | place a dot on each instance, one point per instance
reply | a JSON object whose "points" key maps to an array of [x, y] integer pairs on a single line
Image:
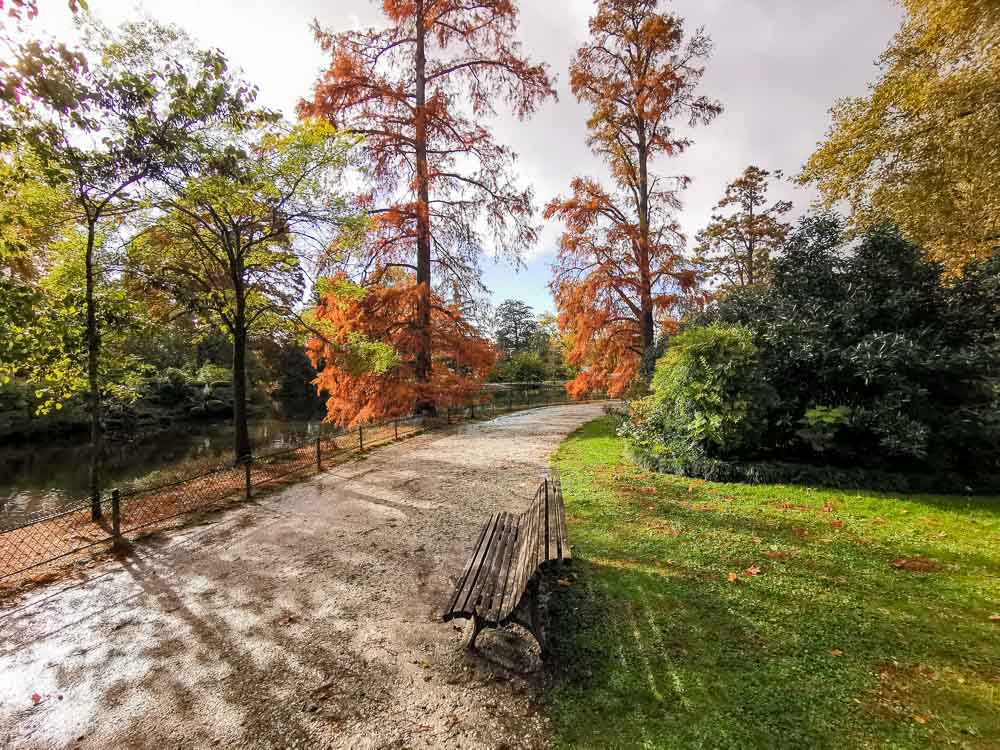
{"points": [[871, 620]]}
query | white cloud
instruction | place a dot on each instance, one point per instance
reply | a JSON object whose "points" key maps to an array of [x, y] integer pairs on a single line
{"points": [[778, 66]]}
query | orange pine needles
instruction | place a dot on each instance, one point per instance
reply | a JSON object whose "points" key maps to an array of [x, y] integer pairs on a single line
{"points": [[620, 274], [366, 354], [419, 90]]}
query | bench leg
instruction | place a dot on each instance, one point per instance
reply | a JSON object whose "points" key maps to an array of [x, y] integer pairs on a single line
{"points": [[536, 620], [477, 627], [533, 622]]}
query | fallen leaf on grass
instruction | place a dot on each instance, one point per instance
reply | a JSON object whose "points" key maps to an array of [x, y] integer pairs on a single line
{"points": [[753, 570], [776, 555], [733, 577], [665, 528], [915, 564], [801, 533], [837, 524], [995, 617], [836, 652], [921, 719], [565, 582]]}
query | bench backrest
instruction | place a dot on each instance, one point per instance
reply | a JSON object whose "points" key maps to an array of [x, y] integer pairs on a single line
{"points": [[541, 539], [510, 549]]}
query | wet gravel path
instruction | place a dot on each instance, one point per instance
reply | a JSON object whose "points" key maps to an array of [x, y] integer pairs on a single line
{"points": [[307, 619]]}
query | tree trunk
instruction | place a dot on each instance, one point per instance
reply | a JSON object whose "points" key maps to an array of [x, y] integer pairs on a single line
{"points": [[423, 203], [648, 330], [423, 359], [645, 284], [241, 432], [94, 390]]}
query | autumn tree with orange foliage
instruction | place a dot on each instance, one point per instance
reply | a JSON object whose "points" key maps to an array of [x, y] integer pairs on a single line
{"points": [[365, 351], [620, 273], [418, 90]]}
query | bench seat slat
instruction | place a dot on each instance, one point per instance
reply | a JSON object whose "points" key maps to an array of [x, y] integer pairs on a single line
{"points": [[487, 577], [459, 606], [482, 602], [476, 552], [492, 607]]}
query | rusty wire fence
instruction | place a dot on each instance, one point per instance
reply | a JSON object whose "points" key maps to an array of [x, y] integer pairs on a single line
{"points": [[130, 511]]}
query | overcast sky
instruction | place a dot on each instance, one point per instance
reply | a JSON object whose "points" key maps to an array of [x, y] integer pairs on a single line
{"points": [[778, 65]]}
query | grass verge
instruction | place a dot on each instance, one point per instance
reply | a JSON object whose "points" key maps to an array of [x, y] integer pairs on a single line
{"points": [[709, 615]]}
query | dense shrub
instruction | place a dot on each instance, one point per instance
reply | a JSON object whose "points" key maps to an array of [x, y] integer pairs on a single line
{"points": [[819, 475], [211, 372], [523, 367], [171, 388], [709, 397], [875, 360]]}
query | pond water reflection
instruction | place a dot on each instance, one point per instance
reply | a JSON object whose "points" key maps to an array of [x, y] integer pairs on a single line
{"points": [[46, 474]]}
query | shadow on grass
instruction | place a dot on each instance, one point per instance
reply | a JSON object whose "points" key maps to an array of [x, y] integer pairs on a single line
{"points": [[698, 621]]}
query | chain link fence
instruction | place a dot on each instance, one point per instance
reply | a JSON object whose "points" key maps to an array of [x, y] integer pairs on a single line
{"points": [[130, 511]]}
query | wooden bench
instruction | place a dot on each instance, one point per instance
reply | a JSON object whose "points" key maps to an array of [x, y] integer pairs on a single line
{"points": [[500, 583]]}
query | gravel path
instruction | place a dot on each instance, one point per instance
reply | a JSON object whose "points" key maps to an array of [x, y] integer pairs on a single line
{"points": [[308, 619]]}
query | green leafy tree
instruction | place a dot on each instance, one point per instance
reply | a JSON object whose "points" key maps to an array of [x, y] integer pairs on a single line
{"points": [[522, 367], [20, 76], [239, 231], [515, 327], [33, 213], [735, 248], [920, 149], [553, 347], [105, 123]]}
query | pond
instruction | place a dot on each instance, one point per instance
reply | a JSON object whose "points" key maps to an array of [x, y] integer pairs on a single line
{"points": [[44, 475]]}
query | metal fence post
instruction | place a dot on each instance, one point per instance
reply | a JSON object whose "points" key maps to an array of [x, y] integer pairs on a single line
{"points": [[361, 438], [116, 520], [246, 474], [319, 454], [95, 507], [395, 428]]}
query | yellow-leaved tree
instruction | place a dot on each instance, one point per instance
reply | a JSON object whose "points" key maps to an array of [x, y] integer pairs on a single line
{"points": [[921, 149]]}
